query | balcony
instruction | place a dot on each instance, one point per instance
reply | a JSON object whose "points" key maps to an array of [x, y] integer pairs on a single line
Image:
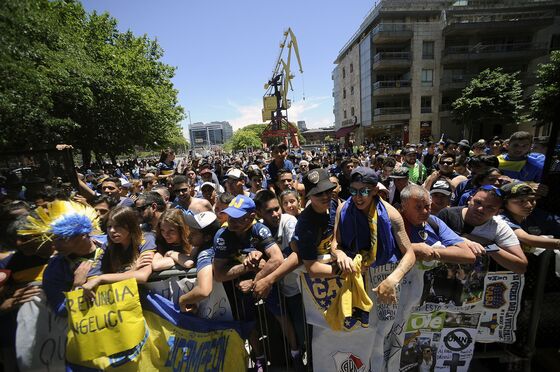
{"points": [[391, 60], [485, 22], [391, 87], [391, 114], [391, 33], [463, 53], [458, 82], [445, 109]]}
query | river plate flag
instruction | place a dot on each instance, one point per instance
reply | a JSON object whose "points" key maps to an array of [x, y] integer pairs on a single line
{"points": [[170, 340]]}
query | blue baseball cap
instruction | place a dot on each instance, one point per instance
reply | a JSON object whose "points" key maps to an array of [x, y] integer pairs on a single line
{"points": [[240, 206]]}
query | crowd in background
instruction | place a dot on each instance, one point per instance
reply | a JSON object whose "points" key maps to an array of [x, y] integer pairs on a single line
{"points": [[248, 220]]}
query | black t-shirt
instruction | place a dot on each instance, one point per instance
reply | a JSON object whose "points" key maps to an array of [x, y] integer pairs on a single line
{"points": [[453, 217], [314, 232]]}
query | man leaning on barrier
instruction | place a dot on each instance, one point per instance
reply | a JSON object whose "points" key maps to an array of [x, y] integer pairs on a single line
{"points": [[479, 222], [239, 248], [426, 231]]}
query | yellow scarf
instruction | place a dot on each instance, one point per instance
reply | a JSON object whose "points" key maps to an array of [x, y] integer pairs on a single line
{"points": [[351, 295], [370, 256]]}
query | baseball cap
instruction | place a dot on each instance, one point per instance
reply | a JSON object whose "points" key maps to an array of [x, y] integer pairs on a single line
{"points": [[409, 150], [240, 206], [365, 175], [516, 189], [235, 174], [317, 181], [400, 172], [304, 163], [480, 144], [200, 220], [442, 187], [211, 184], [464, 142]]}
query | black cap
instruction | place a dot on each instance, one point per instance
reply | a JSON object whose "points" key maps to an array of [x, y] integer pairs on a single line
{"points": [[316, 181], [441, 186], [515, 189], [365, 175]]}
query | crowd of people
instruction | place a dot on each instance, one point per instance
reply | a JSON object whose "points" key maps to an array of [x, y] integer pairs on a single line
{"points": [[250, 221]]}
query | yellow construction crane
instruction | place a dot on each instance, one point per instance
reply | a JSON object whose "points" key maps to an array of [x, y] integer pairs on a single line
{"points": [[275, 100]]}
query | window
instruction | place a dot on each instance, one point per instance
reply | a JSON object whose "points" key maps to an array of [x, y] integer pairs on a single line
{"points": [[351, 68], [343, 73], [426, 104], [344, 93], [352, 111], [352, 90], [427, 77], [345, 114], [428, 50]]}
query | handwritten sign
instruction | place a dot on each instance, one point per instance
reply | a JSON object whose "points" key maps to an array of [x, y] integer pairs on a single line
{"points": [[110, 324]]}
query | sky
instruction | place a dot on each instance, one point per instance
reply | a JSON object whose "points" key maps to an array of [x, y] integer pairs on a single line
{"points": [[225, 51]]}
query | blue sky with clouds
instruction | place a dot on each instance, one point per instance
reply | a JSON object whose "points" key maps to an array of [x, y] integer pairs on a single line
{"points": [[225, 50]]}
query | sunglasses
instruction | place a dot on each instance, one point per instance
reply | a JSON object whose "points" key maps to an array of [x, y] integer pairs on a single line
{"points": [[447, 162], [365, 191]]}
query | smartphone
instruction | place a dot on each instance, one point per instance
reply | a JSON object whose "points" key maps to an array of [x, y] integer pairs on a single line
{"points": [[492, 248]]}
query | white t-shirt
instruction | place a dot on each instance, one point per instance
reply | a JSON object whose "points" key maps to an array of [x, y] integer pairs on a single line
{"points": [[289, 284], [497, 231]]}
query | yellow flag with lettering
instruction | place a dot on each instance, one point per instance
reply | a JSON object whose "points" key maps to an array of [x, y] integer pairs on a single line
{"points": [[110, 324]]}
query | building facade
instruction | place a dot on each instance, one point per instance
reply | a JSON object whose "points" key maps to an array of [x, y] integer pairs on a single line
{"points": [[415, 57], [215, 133]]}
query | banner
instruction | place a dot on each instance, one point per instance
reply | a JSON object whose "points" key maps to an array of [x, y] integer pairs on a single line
{"points": [[40, 337], [176, 341], [440, 341], [500, 307], [112, 323]]}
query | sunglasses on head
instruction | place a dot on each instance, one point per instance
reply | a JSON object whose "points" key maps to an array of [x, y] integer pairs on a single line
{"points": [[365, 191], [492, 188]]}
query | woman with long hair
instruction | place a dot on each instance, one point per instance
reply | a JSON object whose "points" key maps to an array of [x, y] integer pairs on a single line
{"points": [[128, 252], [172, 239]]}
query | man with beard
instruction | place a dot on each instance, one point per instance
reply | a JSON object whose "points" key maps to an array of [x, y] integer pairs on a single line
{"points": [[416, 170], [150, 206]]}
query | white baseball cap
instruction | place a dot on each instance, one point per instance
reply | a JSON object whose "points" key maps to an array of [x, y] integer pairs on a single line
{"points": [[200, 220]]}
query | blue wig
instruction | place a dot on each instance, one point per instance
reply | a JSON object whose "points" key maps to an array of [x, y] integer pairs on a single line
{"points": [[70, 225]]}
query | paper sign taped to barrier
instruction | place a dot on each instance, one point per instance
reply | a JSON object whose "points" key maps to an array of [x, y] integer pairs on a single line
{"points": [[110, 324]]}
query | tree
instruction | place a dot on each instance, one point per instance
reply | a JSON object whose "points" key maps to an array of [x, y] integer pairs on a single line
{"points": [[491, 97], [72, 77], [243, 139], [546, 97]]}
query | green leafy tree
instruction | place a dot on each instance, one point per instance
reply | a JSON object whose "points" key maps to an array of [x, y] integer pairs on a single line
{"points": [[546, 97], [243, 139], [491, 97], [72, 77]]}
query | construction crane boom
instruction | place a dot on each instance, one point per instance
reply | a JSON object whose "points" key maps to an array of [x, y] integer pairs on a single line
{"points": [[275, 100]]}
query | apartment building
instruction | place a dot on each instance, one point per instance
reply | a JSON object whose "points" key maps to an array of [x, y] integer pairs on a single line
{"points": [[415, 57]]}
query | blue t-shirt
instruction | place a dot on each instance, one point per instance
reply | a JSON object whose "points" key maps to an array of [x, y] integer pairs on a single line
{"points": [[228, 245], [204, 258], [273, 170], [59, 276], [445, 235], [165, 169], [539, 222], [314, 232]]}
